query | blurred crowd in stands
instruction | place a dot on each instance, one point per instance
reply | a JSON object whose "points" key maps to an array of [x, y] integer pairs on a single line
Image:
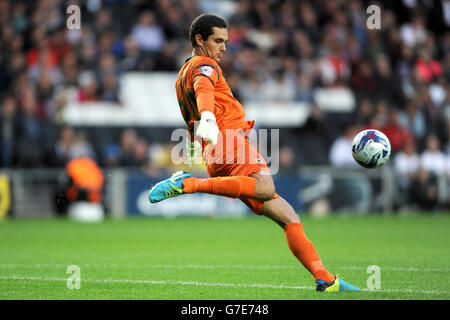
{"points": [[278, 50]]}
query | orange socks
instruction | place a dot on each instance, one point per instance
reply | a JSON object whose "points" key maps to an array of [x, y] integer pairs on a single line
{"points": [[233, 187], [305, 252]]}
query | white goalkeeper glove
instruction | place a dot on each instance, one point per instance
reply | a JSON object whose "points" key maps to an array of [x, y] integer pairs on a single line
{"points": [[207, 128]]}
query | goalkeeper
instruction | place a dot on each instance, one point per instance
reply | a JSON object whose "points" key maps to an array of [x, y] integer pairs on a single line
{"points": [[240, 172]]}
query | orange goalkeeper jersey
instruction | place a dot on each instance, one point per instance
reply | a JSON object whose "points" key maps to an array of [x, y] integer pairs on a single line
{"points": [[228, 111]]}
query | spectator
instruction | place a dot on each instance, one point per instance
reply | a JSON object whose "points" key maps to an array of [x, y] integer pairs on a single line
{"points": [[413, 33], [435, 121], [406, 165], [380, 117], [44, 94], [82, 148], [405, 68], [287, 159], [241, 14], [88, 55], [252, 90], [362, 79], [132, 57], [278, 89], [128, 142], [107, 65], [308, 21], [103, 21], [387, 83], [47, 62], [304, 92], [166, 60], [437, 92], [365, 111], [109, 88], [396, 134], [447, 155], [111, 155], [64, 145], [413, 120], [334, 69], [8, 131], [140, 153], [424, 190], [433, 159], [446, 103], [234, 82], [341, 150], [89, 90], [175, 25], [149, 36], [30, 132], [427, 68]]}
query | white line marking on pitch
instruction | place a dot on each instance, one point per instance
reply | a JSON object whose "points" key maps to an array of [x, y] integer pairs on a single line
{"points": [[215, 284], [209, 266]]}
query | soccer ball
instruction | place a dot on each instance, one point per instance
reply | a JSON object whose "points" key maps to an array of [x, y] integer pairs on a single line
{"points": [[371, 148]]}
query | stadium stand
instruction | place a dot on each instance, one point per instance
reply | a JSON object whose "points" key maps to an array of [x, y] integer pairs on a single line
{"points": [[278, 51]]}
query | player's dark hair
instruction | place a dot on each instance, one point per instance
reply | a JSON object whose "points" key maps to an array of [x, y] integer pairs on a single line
{"points": [[203, 25]]}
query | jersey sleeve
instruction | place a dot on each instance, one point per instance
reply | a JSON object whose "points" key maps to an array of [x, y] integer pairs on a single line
{"points": [[205, 74], [204, 94]]}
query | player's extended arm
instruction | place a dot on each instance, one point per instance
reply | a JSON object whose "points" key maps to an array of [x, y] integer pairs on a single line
{"points": [[204, 94]]}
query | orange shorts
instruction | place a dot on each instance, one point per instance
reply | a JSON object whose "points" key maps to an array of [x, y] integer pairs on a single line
{"points": [[233, 155]]}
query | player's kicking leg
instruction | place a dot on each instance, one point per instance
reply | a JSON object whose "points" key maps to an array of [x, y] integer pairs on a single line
{"points": [[258, 192], [182, 183]]}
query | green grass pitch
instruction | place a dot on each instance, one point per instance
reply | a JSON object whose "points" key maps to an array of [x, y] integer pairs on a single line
{"points": [[225, 259]]}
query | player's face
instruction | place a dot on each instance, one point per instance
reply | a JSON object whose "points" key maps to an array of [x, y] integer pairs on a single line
{"points": [[215, 45]]}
